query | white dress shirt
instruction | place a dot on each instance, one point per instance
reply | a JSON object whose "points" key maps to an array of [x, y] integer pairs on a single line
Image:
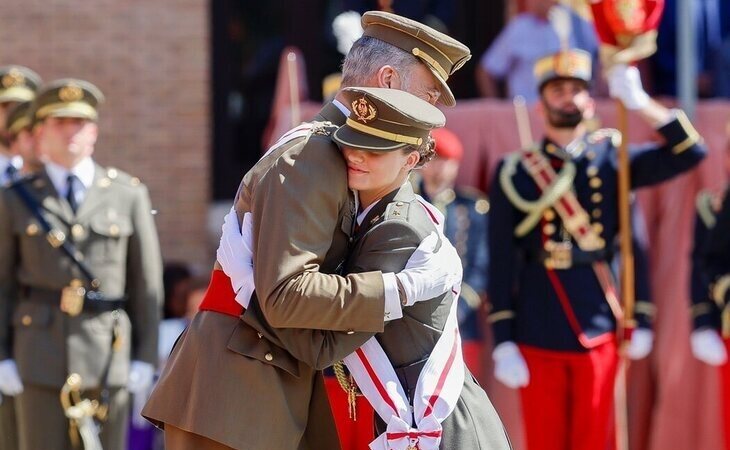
{"points": [[84, 172]]}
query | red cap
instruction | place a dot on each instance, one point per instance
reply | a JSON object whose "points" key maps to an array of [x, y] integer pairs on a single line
{"points": [[448, 145]]}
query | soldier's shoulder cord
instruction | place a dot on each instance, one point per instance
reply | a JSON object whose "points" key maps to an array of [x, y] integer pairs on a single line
{"points": [[562, 183]]}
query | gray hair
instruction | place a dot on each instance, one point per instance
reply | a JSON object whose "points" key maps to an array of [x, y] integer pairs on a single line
{"points": [[368, 55]]}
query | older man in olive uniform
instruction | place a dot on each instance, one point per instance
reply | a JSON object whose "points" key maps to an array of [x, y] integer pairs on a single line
{"points": [[80, 279], [17, 84]]}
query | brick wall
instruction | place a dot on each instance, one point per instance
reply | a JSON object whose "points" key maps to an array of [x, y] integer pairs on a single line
{"points": [[151, 60]]}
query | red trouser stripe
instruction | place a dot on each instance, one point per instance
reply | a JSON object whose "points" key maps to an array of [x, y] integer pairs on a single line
{"points": [[220, 296]]}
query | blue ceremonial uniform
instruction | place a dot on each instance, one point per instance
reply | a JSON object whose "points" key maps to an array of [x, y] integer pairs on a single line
{"points": [[466, 226], [533, 305], [705, 312]]}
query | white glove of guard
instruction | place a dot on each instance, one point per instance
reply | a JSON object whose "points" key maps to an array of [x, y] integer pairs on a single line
{"points": [[141, 378], [624, 83], [642, 341], [707, 346], [235, 255], [10, 383], [510, 367], [429, 274]]}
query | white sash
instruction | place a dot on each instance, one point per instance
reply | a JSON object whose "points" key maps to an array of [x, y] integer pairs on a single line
{"points": [[437, 390]]}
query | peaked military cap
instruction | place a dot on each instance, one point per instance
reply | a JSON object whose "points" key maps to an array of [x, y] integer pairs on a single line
{"points": [[442, 54], [68, 97], [19, 117], [386, 119], [572, 64], [18, 84]]}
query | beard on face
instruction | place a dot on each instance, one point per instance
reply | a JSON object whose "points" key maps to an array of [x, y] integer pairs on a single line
{"points": [[559, 118]]}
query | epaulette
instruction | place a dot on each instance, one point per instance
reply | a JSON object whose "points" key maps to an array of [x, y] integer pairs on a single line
{"points": [[323, 128], [114, 175], [481, 203], [605, 133], [707, 207], [396, 210]]}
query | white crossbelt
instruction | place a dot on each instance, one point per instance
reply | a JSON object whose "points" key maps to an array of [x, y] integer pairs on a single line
{"points": [[437, 390]]}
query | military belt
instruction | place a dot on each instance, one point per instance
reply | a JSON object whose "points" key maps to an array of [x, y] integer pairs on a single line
{"points": [[578, 257], [94, 301]]}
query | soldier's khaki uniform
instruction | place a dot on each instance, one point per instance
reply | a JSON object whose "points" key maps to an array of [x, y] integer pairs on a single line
{"points": [[17, 84], [253, 394], [114, 233]]}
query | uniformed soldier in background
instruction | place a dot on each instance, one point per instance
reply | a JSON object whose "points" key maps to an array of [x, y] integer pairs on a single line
{"points": [[465, 211], [80, 280], [19, 132], [17, 84], [554, 220], [710, 338]]}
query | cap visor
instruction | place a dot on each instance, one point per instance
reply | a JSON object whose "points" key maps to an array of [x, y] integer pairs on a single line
{"points": [[73, 111], [352, 138]]}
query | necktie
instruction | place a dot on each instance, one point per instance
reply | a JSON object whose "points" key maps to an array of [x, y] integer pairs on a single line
{"points": [[71, 192], [10, 172]]}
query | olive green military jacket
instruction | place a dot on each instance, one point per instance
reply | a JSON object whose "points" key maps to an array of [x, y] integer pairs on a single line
{"points": [[231, 381], [114, 231]]}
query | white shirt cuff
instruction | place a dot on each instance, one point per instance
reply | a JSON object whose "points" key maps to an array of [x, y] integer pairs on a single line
{"points": [[393, 308]]}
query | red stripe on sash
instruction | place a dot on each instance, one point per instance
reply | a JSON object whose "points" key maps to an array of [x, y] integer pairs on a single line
{"points": [[376, 381]]}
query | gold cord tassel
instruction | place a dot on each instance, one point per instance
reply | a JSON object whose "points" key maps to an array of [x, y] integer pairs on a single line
{"points": [[348, 385]]}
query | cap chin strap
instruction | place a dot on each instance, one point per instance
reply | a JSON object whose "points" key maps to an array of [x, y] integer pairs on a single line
{"points": [[384, 134]]}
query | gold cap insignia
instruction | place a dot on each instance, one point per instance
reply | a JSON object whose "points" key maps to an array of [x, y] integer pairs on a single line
{"points": [[70, 93], [364, 110], [13, 78]]}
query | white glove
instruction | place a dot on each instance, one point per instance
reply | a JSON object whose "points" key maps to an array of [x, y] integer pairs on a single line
{"points": [[707, 346], [624, 83], [10, 383], [235, 255], [141, 378], [641, 343], [510, 367], [429, 274]]}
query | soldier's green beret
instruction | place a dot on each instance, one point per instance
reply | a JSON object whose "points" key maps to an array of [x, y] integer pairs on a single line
{"points": [[18, 84], [442, 54], [68, 97], [19, 117], [386, 119]]}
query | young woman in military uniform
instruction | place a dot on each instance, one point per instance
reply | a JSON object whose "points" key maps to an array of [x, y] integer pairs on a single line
{"points": [[384, 139]]}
